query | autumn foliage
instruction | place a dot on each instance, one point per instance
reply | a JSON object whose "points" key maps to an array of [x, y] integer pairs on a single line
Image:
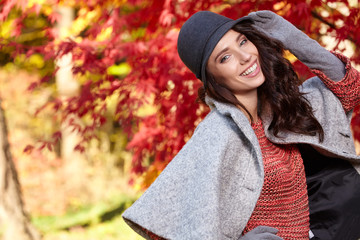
{"points": [[156, 104]]}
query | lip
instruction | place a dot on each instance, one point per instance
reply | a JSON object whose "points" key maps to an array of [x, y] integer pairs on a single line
{"points": [[254, 73]]}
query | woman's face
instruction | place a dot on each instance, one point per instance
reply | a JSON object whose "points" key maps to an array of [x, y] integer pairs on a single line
{"points": [[235, 63]]}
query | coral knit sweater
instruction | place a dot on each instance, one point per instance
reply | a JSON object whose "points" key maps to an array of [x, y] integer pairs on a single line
{"points": [[283, 202]]}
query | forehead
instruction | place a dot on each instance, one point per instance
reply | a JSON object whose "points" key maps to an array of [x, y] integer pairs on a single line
{"points": [[230, 37]]}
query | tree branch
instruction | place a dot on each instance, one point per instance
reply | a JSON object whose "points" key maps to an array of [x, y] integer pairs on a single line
{"points": [[331, 25]]}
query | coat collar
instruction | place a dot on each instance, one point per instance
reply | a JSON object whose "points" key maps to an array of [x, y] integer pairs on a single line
{"points": [[238, 117]]}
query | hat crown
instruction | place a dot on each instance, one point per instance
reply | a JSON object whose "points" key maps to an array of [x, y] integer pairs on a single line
{"points": [[194, 35]]}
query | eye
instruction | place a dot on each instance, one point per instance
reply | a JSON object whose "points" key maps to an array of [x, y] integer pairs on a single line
{"points": [[243, 41], [223, 59]]}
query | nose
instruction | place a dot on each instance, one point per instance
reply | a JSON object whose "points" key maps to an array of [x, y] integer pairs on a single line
{"points": [[243, 56]]}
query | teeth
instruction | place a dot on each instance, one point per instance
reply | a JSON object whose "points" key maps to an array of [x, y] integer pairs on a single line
{"points": [[249, 70]]}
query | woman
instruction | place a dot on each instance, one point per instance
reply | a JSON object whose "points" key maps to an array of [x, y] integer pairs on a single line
{"points": [[241, 175]]}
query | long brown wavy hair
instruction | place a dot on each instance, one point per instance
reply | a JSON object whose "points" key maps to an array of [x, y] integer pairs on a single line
{"points": [[291, 111]]}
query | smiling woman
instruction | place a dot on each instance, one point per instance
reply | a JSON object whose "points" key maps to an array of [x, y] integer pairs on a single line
{"points": [[255, 166], [235, 64]]}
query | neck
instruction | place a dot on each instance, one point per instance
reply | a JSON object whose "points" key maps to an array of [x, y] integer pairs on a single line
{"points": [[250, 102]]}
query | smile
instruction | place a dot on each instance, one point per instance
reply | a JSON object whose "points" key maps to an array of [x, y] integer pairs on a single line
{"points": [[250, 70]]}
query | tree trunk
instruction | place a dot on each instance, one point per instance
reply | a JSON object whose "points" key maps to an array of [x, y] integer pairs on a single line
{"points": [[67, 86], [12, 212]]}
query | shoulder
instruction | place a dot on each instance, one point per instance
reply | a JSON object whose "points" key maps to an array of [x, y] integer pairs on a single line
{"points": [[324, 102], [211, 137], [216, 123], [318, 94], [313, 83], [328, 110]]}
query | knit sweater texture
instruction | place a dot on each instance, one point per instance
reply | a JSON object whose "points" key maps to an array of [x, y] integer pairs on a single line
{"points": [[283, 202]]}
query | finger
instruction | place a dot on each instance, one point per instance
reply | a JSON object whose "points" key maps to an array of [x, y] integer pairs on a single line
{"points": [[265, 229], [266, 14], [268, 236], [257, 18]]}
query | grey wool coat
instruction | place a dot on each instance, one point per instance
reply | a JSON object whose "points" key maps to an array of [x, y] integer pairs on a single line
{"points": [[209, 190]]}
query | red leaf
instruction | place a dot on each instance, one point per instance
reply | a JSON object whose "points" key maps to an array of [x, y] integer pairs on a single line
{"points": [[28, 149], [80, 148], [32, 86]]}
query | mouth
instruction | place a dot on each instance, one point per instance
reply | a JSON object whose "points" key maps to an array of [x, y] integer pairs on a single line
{"points": [[250, 70]]}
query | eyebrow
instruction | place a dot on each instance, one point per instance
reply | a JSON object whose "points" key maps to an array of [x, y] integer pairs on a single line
{"points": [[225, 49]]}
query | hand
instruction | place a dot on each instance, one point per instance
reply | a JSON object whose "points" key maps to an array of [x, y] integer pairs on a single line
{"points": [[276, 27], [261, 233]]}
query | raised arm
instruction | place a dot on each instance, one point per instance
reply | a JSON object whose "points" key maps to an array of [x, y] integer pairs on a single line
{"points": [[333, 69], [307, 50]]}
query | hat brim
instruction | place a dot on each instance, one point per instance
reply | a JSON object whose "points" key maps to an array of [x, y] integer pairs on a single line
{"points": [[215, 38]]}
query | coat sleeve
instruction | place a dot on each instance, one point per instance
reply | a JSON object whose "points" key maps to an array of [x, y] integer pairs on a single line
{"points": [[347, 89], [207, 191]]}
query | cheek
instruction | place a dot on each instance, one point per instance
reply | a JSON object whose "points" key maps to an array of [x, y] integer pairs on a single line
{"points": [[228, 70]]}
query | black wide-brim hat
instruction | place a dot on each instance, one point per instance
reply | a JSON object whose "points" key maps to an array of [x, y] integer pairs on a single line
{"points": [[198, 38]]}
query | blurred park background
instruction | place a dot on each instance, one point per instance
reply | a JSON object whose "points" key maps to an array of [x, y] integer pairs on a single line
{"points": [[94, 102]]}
